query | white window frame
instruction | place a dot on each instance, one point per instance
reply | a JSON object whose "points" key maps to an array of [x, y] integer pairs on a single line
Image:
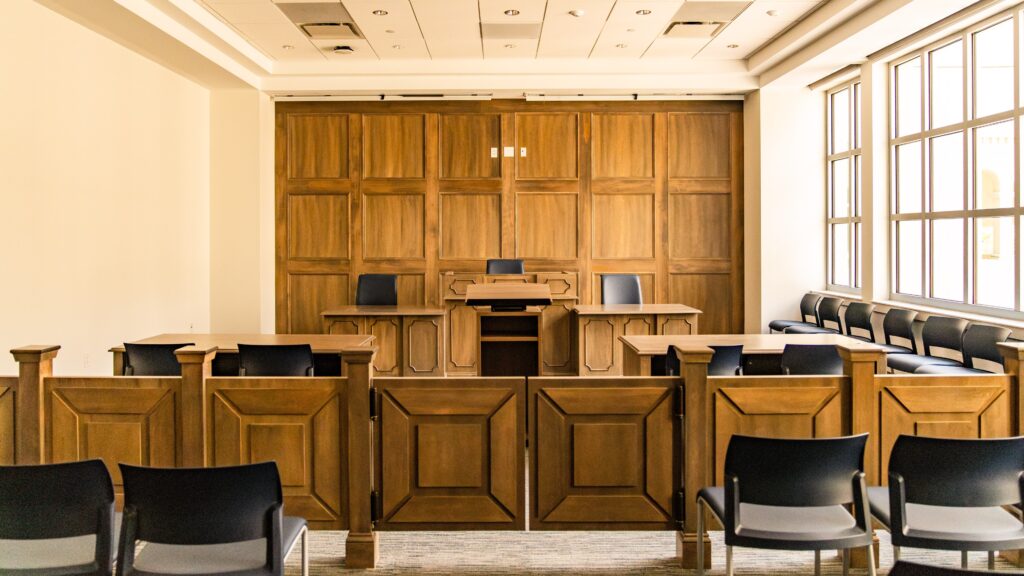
{"points": [[854, 216]]}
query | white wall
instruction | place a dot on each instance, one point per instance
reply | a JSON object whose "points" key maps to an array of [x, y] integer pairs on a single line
{"points": [[105, 194]]}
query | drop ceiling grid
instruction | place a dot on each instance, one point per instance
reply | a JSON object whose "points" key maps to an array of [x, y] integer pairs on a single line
{"points": [[451, 28], [754, 27], [395, 34], [568, 36], [266, 28], [616, 40]]}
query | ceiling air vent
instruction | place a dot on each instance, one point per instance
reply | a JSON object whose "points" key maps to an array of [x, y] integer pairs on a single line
{"points": [[529, 31], [330, 31], [692, 29], [305, 12], [343, 49], [710, 11]]}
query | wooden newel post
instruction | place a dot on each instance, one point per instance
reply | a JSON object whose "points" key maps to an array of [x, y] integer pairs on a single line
{"points": [[361, 550], [196, 366], [34, 364], [693, 364]]}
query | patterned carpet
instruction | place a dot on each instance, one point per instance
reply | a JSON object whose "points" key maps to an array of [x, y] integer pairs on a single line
{"points": [[576, 553]]}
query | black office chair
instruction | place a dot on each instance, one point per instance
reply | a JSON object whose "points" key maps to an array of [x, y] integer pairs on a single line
{"points": [[979, 343], [500, 266], [806, 359], [207, 521], [899, 324], [808, 309], [790, 494], [902, 568], [828, 312], [949, 494], [377, 290], [725, 361], [57, 519], [858, 317], [152, 359], [939, 332], [275, 360], [621, 289]]}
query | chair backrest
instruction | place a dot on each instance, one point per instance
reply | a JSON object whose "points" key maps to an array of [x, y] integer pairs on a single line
{"points": [[725, 361], [56, 501], [795, 472], [902, 568], [502, 266], [811, 359], [858, 315], [621, 289], [275, 360], [956, 472], [152, 359], [900, 323], [980, 342], [943, 332], [809, 307], [193, 506], [377, 290], [828, 311]]}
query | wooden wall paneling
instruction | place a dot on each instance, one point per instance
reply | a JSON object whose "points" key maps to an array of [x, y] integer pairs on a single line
{"points": [[463, 353], [423, 346], [467, 141], [412, 289], [432, 228], [702, 146], [551, 144], [394, 226], [622, 145], [623, 226], [318, 226], [8, 387], [309, 295], [394, 145], [470, 226], [317, 145], [547, 226], [697, 229], [710, 293]]}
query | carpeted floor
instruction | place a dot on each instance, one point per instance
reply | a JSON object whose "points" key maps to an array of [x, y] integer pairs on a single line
{"points": [[576, 553]]}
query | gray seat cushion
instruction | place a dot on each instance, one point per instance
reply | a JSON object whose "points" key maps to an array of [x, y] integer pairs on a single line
{"points": [[911, 362], [54, 552], [939, 369], [786, 523], [894, 349], [214, 558], [810, 330], [781, 325], [948, 522]]}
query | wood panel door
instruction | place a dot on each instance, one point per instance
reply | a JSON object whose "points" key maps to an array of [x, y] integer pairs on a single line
{"points": [[451, 454], [605, 453], [121, 419], [300, 423]]}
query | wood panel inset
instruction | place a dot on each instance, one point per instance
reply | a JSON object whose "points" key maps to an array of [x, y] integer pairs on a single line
{"points": [[551, 143], [623, 226], [711, 293], [470, 226], [393, 226], [695, 227], [466, 144], [7, 430], [699, 145], [393, 145], [546, 226], [309, 295], [318, 226], [317, 145], [623, 145]]}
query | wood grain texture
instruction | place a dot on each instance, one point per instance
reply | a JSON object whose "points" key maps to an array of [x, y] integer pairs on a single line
{"points": [[8, 385], [546, 226], [393, 226], [711, 293], [698, 145], [695, 226], [311, 294], [466, 143], [623, 226], [393, 145], [409, 339], [623, 145], [550, 140], [470, 226], [318, 226], [317, 145]]}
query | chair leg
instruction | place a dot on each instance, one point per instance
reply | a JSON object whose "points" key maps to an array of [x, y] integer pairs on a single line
{"points": [[991, 560], [846, 562], [871, 560], [963, 560], [895, 553], [728, 561], [817, 563], [305, 552], [700, 538]]}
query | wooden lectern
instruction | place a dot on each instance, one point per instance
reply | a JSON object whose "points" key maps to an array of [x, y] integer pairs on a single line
{"points": [[510, 333]]}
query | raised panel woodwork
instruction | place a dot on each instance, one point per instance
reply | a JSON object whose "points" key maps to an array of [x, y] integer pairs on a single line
{"points": [[411, 290], [557, 345], [317, 145], [623, 226], [604, 453], [454, 285], [546, 225], [710, 293], [424, 346], [562, 285], [551, 143], [393, 226], [309, 295], [623, 145], [318, 226], [470, 226], [452, 453], [393, 145], [598, 335], [7, 430], [699, 145], [388, 333], [466, 143], [463, 352], [299, 423], [695, 226]]}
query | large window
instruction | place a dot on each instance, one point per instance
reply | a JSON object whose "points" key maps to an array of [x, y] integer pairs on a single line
{"points": [[843, 174], [954, 200]]}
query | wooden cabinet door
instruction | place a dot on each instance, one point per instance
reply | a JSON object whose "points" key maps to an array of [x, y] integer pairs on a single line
{"points": [[451, 453], [423, 349], [556, 343], [547, 146], [463, 350]]}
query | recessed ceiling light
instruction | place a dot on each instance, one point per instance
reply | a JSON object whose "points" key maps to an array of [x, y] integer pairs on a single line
{"points": [[622, 45], [389, 31], [772, 12], [630, 29], [380, 12], [396, 46], [643, 12], [577, 13], [512, 12], [510, 45], [733, 46], [287, 47]]}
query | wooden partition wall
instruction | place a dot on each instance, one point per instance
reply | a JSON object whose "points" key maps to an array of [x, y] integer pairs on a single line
{"points": [[421, 189]]}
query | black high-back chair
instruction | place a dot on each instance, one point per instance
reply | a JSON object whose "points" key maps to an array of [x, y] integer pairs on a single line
{"points": [[811, 359], [377, 290], [902, 568], [979, 343], [949, 494], [899, 323], [808, 309], [726, 361], [858, 317], [73, 502], [621, 289], [939, 332], [275, 360], [503, 266], [791, 494], [828, 315], [180, 512], [152, 359]]}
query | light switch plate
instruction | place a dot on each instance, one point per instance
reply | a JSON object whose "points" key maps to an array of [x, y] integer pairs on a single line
{"points": [[510, 151], [494, 152], [522, 152]]}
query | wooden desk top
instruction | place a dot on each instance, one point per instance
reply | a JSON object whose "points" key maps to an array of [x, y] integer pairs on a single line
{"points": [[752, 343], [637, 309], [383, 311], [321, 343]]}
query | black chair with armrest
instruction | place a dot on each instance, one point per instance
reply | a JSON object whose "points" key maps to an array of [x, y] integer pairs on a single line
{"points": [[207, 521], [726, 361], [858, 317], [980, 343], [811, 359], [57, 519], [791, 494], [828, 313], [377, 290], [505, 266], [899, 323], [950, 494], [152, 359], [621, 289], [808, 309], [939, 332], [275, 360]]}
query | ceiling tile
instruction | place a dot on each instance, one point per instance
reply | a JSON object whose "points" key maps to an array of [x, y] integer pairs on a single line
{"points": [[251, 13], [498, 48], [529, 10], [361, 50], [451, 28], [272, 38], [633, 26], [676, 48], [568, 36]]}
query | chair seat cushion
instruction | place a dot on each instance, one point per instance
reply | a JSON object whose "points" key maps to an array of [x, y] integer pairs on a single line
{"points": [[77, 551], [940, 369], [214, 558], [781, 325], [810, 330], [786, 523], [894, 349], [948, 522], [911, 362]]}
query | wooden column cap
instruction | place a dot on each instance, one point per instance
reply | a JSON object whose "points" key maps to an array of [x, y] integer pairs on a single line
{"points": [[35, 352], [1011, 350], [860, 353], [361, 355], [195, 354], [695, 354]]}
